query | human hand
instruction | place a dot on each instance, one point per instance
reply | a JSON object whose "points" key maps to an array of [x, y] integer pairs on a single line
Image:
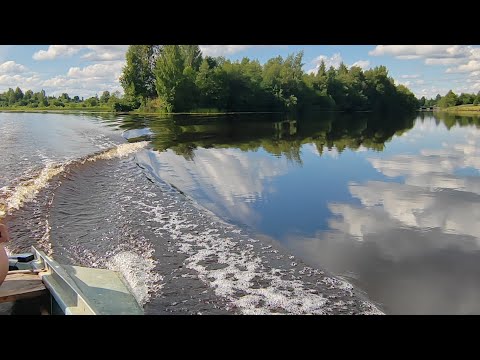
{"points": [[4, 237]]}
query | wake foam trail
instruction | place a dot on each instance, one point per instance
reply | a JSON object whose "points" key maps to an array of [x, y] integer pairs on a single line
{"points": [[134, 260], [253, 278], [27, 190], [138, 273], [14, 198]]}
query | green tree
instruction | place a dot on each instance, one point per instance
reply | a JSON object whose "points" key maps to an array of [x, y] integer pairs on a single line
{"points": [[169, 74], [18, 94], [28, 95], [450, 99], [211, 85], [10, 97], [466, 99], [192, 55], [476, 102], [41, 98], [92, 101], [138, 78], [105, 97]]}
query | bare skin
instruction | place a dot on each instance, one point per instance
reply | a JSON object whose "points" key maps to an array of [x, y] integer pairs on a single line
{"points": [[4, 237]]}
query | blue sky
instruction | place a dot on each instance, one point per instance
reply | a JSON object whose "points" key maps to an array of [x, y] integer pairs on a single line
{"points": [[86, 70]]}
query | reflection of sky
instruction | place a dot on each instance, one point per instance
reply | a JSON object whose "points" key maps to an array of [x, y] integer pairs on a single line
{"points": [[414, 245], [228, 181], [133, 133], [269, 193]]}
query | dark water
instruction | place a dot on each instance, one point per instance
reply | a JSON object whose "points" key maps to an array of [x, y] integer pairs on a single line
{"points": [[253, 213]]}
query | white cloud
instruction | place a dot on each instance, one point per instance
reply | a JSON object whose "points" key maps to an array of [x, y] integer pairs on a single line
{"points": [[105, 52], [364, 64], [87, 81], [432, 54], [335, 60], [97, 52], [461, 58], [110, 70], [418, 51], [225, 50], [407, 57], [11, 67], [405, 83], [431, 92], [117, 52], [413, 76], [471, 66], [55, 51], [443, 61], [24, 82], [221, 50]]}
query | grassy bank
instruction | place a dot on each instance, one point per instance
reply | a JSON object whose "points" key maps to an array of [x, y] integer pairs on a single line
{"points": [[462, 109]]}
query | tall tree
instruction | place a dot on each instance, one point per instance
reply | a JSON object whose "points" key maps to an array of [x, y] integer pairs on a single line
{"points": [[18, 94], [169, 74], [451, 99], [422, 101], [192, 55], [105, 97], [138, 78], [477, 99]]}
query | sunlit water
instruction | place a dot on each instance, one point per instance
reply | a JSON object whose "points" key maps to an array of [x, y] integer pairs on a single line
{"points": [[253, 214]]}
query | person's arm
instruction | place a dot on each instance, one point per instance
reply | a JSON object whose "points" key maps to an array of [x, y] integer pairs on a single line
{"points": [[4, 237]]}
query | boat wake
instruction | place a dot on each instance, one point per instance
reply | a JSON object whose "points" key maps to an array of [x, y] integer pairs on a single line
{"points": [[173, 256], [138, 273], [14, 197], [251, 277]]}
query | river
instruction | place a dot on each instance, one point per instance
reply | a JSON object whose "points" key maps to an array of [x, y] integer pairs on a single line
{"points": [[326, 213]]}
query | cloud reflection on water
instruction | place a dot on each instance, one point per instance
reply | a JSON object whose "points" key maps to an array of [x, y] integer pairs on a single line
{"points": [[413, 244]]}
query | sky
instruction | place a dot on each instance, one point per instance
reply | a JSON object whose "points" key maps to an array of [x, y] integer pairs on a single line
{"points": [[86, 70]]}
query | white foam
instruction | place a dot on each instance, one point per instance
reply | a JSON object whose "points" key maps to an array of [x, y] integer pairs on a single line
{"points": [[27, 190], [138, 272], [245, 280], [118, 151]]}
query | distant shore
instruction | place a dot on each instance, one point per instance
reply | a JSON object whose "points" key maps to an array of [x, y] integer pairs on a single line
{"points": [[462, 109], [137, 112]]}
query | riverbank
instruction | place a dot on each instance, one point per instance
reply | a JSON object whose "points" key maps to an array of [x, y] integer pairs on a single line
{"points": [[57, 110], [150, 113], [462, 110], [134, 112]]}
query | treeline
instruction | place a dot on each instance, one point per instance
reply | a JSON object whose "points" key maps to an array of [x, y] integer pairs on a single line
{"points": [[451, 99], [17, 98], [178, 78]]}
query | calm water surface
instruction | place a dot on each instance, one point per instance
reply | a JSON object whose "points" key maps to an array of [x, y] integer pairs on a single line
{"points": [[389, 204]]}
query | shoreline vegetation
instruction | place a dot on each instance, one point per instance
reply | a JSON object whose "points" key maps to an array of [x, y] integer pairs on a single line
{"points": [[462, 109], [178, 79], [136, 112]]}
